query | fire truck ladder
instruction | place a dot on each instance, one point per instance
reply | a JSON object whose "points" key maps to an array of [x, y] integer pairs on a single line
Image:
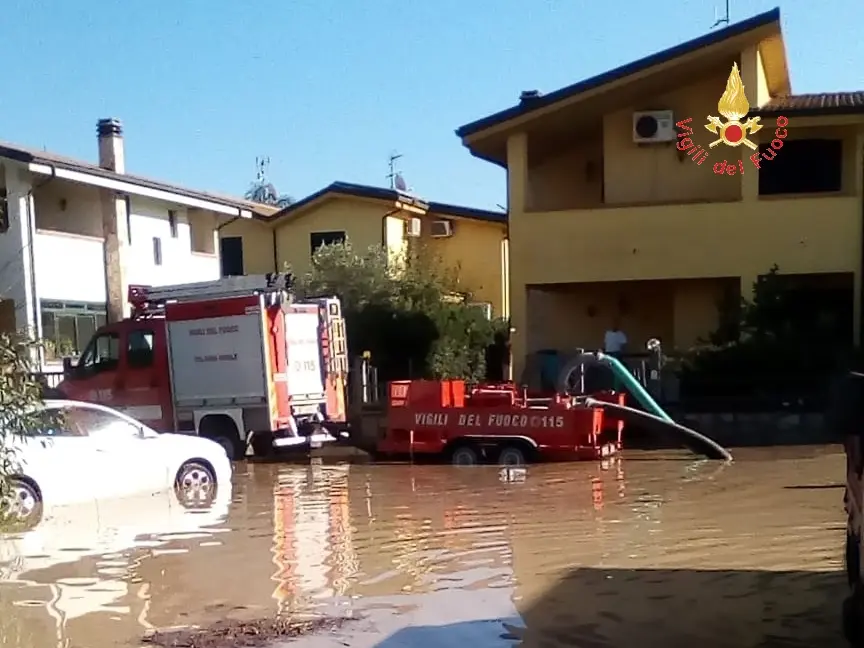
{"points": [[224, 288]]}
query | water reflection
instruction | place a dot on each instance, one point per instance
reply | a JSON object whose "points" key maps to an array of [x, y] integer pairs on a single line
{"points": [[569, 555], [78, 567]]}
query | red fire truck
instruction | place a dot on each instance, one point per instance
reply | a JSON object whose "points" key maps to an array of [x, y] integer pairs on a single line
{"points": [[236, 360]]}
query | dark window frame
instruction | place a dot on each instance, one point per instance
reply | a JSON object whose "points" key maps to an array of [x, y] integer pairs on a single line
{"points": [[157, 251], [319, 239], [230, 265], [140, 356], [802, 166], [172, 223]]}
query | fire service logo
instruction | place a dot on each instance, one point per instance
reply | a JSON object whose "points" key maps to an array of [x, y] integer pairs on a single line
{"points": [[733, 105]]}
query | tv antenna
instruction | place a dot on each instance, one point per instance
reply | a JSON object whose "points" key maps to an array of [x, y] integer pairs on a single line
{"points": [[724, 19], [397, 182]]}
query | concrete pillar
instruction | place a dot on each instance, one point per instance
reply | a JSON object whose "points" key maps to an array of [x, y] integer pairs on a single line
{"points": [[517, 173], [517, 203], [17, 272], [858, 185], [115, 221]]}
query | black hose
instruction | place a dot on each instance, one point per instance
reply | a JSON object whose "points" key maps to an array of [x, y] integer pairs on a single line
{"points": [[697, 442]]}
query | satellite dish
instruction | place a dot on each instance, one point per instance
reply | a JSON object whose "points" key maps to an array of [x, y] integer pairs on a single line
{"points": [[399, 183]]}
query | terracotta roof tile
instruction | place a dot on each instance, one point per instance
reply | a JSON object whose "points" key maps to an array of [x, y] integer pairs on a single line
{"points": [[821, 103]]}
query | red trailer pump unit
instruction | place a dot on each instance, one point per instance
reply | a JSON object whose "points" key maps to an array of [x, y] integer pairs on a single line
{"points": [[490, 423]]}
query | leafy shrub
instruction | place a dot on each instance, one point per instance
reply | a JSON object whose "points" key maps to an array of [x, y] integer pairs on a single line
{"points": [[408, 312]]}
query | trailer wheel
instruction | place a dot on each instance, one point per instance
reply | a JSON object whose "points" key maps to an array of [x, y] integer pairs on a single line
{"points": [[851, 619], [853, 561], [512, 455], [464, 455]]}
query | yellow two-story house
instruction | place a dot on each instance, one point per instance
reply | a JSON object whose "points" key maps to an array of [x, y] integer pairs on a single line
{"points": [[472, 242], [627, 205]]}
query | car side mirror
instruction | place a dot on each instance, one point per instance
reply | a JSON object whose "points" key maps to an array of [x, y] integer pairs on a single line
{"points": [[68, 367]]}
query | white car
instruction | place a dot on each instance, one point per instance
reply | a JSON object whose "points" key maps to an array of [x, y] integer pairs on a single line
{"points": [[86, 452]]}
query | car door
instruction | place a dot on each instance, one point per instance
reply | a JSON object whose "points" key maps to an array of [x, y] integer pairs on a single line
{"points": [[130, 459], [61, 459]]}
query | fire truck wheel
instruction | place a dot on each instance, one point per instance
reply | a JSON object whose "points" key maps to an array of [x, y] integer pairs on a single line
{"points": [[464, 455], [231, 444], [195, 485], [512, 455]]}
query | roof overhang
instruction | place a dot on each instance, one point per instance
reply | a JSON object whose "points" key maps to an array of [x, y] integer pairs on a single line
{"points": [[134, 189], [393, 201], [562, 110]]}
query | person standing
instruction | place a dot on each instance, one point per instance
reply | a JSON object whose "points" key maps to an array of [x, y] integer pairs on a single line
{"points": [[615, 340]]}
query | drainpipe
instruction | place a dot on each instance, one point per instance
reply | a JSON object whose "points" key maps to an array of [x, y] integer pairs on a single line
{"points": [[31, 253], [861, 270]]}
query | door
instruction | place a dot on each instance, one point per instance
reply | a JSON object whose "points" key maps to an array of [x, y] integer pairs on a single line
{"points": [[128, 458], [61, 458], [93, 379], [142, 386]]}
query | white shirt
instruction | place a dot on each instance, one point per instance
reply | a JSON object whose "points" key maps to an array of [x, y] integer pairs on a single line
{"points": [[614, 341]]}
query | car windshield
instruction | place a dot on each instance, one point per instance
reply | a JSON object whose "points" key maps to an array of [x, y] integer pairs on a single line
{"points": [[100, 423]]}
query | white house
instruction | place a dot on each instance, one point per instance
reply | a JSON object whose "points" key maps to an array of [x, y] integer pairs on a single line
{"points": [[74, 235]]}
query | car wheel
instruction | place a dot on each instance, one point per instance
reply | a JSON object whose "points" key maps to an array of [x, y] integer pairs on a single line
{"points": [[195, 485], [512, 456], [21, 507], [464, 456]]}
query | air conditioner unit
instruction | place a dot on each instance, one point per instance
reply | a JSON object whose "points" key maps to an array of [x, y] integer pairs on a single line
{"points": [[414, 227], [653, 126], [441, 229]]}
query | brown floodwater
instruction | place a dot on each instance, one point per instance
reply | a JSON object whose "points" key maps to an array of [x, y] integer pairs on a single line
{"points": [[643, 551]]}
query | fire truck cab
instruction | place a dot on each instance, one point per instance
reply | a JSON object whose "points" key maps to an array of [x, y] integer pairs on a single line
{"points": [[237, 360]]}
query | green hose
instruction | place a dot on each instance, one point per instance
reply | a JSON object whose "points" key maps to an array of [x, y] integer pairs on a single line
{"points": [[639, 393]]}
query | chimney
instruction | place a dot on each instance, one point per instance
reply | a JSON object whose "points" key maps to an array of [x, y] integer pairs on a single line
{"points": [[111, 156], [529, 95]]}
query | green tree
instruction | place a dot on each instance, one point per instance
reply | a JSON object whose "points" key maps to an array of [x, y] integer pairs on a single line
{"points": [[408, 312], [20, 392]]}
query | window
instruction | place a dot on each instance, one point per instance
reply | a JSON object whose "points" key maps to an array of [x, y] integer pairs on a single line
{"points": [[128, 202], [4, 211], [802, 167], [53, 423], [139, 348], [68, 326], [202, 232], [102, 354], [92, 422], [172, 222], [317, 239], [231, 255], [157, 251]]}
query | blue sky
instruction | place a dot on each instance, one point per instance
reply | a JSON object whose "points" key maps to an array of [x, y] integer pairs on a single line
{"points": [[328, 89]]}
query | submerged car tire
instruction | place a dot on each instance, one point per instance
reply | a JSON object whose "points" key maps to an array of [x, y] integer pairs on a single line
{"points": [[464, 455], [512, 455], [195, 484], [21, 507]]}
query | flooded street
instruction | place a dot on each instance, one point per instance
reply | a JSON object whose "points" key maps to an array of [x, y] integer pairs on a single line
{"points": [[640, 552]]}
